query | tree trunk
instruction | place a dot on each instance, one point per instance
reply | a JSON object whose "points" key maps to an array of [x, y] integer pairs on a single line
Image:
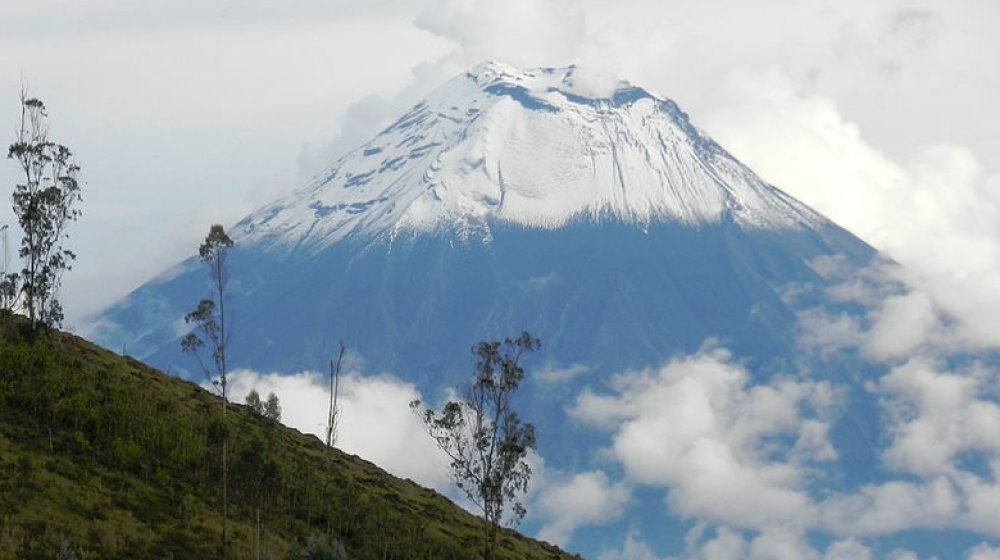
{"points": [[489, 545], [225, 498]]}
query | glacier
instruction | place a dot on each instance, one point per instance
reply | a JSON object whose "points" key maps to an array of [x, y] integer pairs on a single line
{"points": [[501, 145]]}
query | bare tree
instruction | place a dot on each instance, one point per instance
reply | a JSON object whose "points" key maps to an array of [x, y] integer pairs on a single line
{"points": [[333, 417], [484, 436], [44, 205]]}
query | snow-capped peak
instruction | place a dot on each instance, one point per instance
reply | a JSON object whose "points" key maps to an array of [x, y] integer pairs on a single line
{"points": [[501, 144], [569, 80]]}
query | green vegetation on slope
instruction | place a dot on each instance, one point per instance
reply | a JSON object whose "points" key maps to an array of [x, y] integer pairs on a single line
{"points": [[103, 457]]}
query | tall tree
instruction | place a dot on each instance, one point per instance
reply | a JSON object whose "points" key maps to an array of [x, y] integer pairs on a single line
{"points": [[45, 204], [484, 437], [209, 318]]}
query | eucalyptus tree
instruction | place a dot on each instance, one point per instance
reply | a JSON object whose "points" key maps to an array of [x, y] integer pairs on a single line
{"points": [[45, 203], [484, 437], [209, 319]]}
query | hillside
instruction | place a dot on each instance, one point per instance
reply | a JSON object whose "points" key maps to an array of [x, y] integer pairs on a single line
{"points": [[104, 457]]}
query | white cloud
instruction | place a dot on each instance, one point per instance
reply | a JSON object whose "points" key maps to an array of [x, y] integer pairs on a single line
{"points": [[892, 507], [527, 33], [982, 500], [902, 554], [813, 443], [867, 287], [934, 213], [937, 416], [553, 374], [849, 549], [726, 545], [728, 451], [600, 411], [634, 548], [829, 332], [376, 423], [984, 551], [584, 499], [741, 455], [886, 319], [781, 544], [902, 325], [941, 428]]}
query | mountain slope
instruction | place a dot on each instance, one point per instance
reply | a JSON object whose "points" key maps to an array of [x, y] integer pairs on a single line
{"points": [[107, 458]]}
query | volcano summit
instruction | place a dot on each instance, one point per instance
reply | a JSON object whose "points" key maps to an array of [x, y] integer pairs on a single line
{"points": [[503, 146]]}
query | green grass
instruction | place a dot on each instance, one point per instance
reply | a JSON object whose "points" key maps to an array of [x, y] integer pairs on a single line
{"points": [[104, 457]]}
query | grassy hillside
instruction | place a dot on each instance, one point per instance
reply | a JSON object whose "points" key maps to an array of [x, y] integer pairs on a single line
{"points": [[103, 457]]}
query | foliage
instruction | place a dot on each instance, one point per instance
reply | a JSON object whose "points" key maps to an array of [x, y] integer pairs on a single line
{"points": [[64, 404], [484, 437], [44, 205], [252, 401], [272, 408], [209, 316], [203, 317], [269, 409]]}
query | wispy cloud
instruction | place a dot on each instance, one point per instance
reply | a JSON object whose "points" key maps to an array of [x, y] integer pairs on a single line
{"points": [[553, 374]]}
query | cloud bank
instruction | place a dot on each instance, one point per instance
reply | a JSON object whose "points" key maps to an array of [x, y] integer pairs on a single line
{"points": [[376, 421]]}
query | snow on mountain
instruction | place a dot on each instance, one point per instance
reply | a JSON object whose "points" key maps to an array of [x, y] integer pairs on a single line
{"points": [[503, 145]]}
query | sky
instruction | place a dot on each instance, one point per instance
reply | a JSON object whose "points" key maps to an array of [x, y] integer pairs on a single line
{"points": [[878, 113]]}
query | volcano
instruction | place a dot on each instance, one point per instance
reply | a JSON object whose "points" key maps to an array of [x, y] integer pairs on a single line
{"points": [[658, 271], [610, 227]]}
